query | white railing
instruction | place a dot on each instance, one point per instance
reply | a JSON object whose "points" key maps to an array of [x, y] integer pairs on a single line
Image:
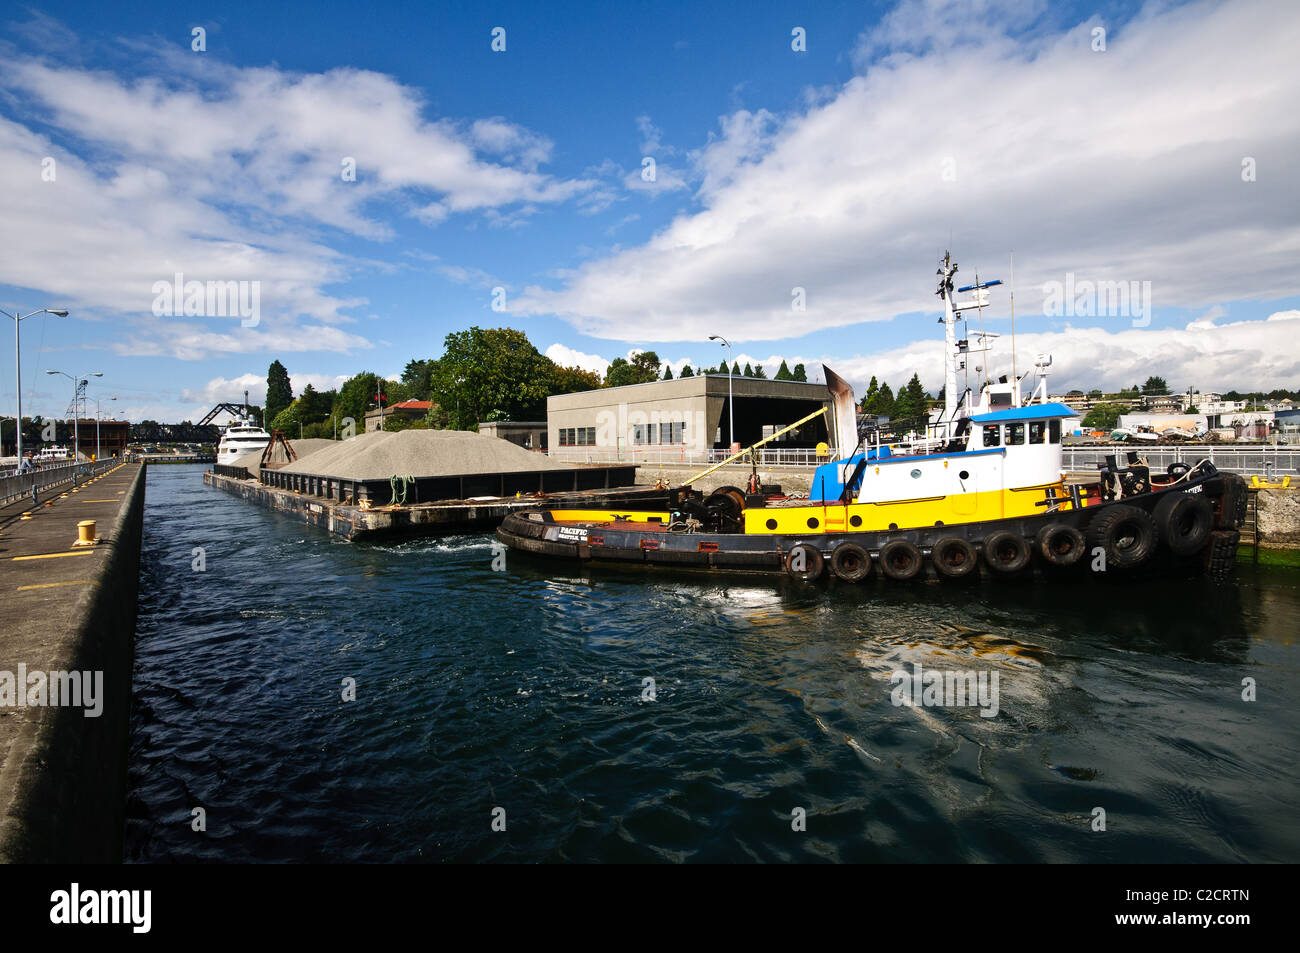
{"points": [[18, 485], [1280, 460], [667, 456]]}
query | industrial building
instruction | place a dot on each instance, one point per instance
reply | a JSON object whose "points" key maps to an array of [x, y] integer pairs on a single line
{"points": [[688, 414]]}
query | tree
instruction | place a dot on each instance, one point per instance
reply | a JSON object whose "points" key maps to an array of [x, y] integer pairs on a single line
{"points": [[571, 380], [869, 398], [641, 369], [417, 376], [912, 400], [355, 397], [722, 368], [759, 372], [881, 403], [1075, 393], [799, 373], [686, 371], [1105, 416], [1155, 385], [735, 369], [279, 393], [668, 372], [783, 372], [1094, 395], [493, 371], [748, 371]]}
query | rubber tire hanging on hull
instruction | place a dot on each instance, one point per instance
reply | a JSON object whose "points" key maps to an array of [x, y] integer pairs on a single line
{"points": [[1059, 544], [1184, 521], [1126, 534], [953, 557], [900, 560], [850, 562], [813, 562], [1006, 552]]}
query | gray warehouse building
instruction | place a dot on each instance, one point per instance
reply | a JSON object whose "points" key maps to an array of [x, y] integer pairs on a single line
{"points": [[689, 413]]}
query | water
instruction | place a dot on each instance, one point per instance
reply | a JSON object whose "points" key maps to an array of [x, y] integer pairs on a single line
{"points": [[523, 691]]}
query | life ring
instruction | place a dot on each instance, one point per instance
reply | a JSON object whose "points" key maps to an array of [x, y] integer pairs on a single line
{"points": [[1184, 521], [850, 562], [1059, 544], [900, 560], [953, 557], [1127, 535], [809, 558], [1006, 551]]}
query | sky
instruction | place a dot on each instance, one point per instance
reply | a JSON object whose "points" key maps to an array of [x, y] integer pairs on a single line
{"points": [[635, 176]]}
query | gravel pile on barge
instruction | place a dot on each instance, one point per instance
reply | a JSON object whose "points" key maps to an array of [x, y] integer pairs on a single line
{"points": [[252, 461], [420, 453]]}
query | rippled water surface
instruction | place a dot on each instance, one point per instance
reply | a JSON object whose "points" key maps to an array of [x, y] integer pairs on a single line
{"points": [[523, 690]]}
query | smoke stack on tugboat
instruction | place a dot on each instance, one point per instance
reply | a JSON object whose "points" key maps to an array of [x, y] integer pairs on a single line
{"points": [[981, 486]]}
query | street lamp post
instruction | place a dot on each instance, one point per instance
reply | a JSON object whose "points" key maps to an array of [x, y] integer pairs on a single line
{"points": [[18, 373], [97, 450], [731, 406], [78, 392]]}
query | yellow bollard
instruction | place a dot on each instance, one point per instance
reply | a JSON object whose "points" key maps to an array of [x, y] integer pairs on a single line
{"points": [[86, 534]]}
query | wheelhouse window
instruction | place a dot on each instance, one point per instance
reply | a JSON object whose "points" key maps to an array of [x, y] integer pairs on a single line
{"points": [[1037, 431], [1054, 431], [992, 436], [1015, 435]]}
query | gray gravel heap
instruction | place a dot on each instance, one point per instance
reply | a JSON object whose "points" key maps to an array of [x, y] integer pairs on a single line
{"points": [[421, 453], [252, 461]]}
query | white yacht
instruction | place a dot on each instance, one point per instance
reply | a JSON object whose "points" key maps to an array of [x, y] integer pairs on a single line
{"points": [[240, 437]]}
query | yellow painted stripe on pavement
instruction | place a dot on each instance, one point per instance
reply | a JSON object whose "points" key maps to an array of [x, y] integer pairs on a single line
{"points": [[75, 552], [51, 585]]}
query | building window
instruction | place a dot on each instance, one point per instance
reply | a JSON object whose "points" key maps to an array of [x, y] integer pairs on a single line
{"points": [[992, 436], [1015, 435], [587, 436], [1037, 429]]}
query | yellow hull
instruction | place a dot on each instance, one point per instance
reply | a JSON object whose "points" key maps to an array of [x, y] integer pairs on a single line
{"points": [[863, 517]]}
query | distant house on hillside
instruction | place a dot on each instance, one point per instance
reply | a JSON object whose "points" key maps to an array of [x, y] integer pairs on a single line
{"points": [[412, 409]]}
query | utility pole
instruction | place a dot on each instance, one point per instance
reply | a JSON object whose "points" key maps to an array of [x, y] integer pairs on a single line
{"points": [[731, 406]]}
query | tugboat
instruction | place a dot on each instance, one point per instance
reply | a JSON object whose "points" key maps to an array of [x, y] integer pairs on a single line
{"points": [[982, 486]]}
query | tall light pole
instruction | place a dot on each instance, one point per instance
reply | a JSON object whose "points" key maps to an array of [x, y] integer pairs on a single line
{"points": [[18, 372], [97, 452], [78, 392], [731, 406]]}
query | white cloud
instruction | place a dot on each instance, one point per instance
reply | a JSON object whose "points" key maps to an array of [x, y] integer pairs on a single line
{"points": [[235, 174], [1239, 355], [1122, 165], [568, 357]]}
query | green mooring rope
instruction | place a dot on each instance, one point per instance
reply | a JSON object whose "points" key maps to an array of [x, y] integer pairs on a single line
{"points": [[400, 499]]}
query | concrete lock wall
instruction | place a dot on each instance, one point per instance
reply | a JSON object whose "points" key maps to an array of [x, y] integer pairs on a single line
{"points": [[67, 773]]}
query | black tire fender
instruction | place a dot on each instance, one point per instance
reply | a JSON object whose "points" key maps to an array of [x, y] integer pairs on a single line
{"points": [[850, 562], [1006, 551], [1184, 521], [953, 557], [1126, 534], [1059, 544], [810, 557], [900, 560]]}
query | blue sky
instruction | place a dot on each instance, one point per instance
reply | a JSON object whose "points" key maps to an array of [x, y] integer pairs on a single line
{"points": [[844, 170]]}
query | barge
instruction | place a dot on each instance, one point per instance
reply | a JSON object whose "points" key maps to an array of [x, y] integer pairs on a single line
{"points": [[979, 488]]}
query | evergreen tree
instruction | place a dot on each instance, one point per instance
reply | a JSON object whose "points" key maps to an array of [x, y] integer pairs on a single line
{"points": [[686, 371], [279, 393], [799, 373], [722, 368], [668, 372], [783, 372], [748, 371], [759, 372], [735, 369]]}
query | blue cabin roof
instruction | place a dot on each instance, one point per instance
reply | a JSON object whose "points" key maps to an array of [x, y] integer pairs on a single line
{"points": [[1031, 412]]}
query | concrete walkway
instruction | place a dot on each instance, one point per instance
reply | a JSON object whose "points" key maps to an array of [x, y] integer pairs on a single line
{"points": [[67, 608]]}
